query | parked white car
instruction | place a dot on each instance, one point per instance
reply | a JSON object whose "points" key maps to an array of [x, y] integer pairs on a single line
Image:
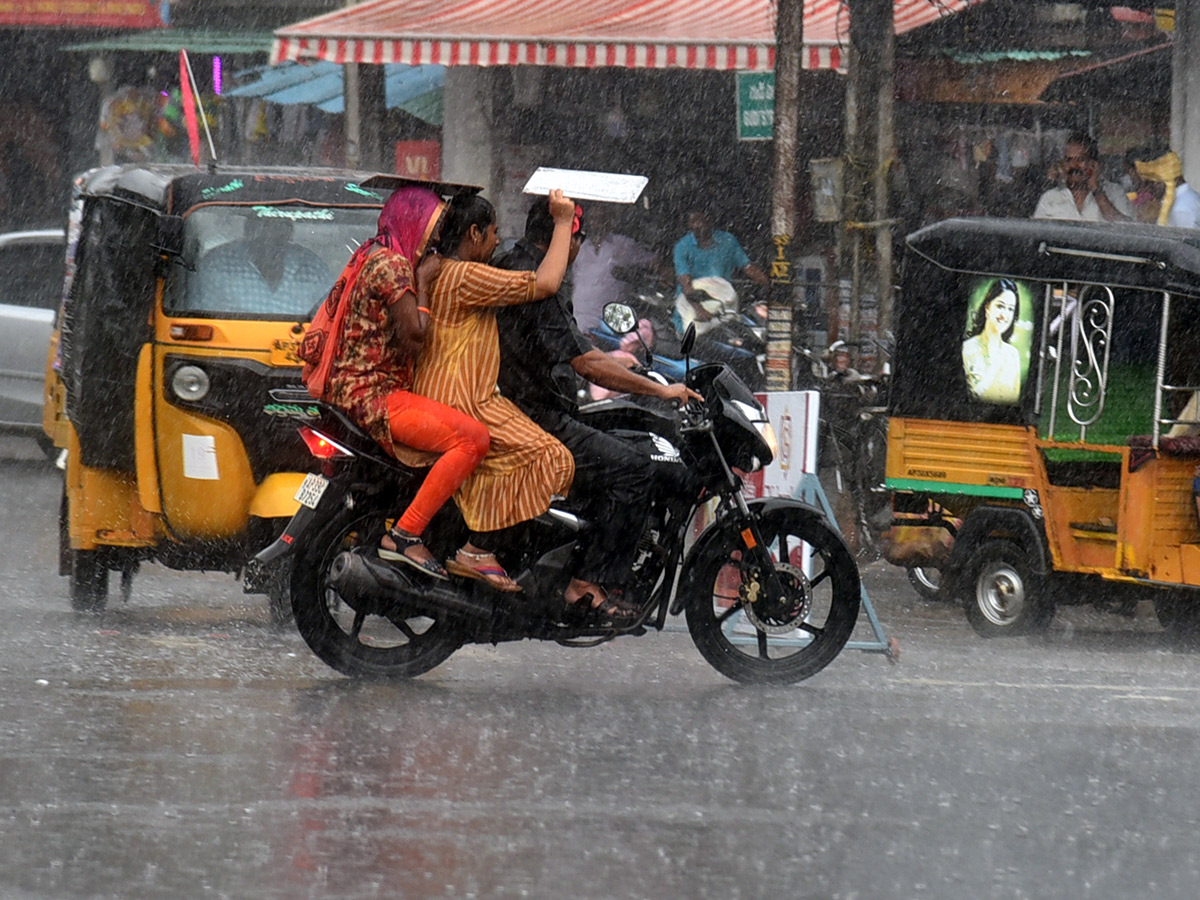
{"points": [[32, 266]]}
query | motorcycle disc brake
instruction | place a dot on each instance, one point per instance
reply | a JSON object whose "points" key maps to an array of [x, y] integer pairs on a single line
{"points": [[778, 617]]}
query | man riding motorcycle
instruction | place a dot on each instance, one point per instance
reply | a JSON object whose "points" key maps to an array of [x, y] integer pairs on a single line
{"points": [[541, 350]]}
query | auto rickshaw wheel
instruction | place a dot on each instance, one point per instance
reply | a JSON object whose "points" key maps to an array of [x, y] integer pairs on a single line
{"points": [[87, 569], [1179, 613], [279, 597], [1001, 593], [47, 447], [926, 581], [89, 581]]}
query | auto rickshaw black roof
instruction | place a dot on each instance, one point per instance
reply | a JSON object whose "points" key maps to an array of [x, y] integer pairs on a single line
{"points": [[174, 189], [1149, 257]]}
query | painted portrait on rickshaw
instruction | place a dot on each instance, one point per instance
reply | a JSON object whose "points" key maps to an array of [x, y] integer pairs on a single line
{"points": [[997, 338]]}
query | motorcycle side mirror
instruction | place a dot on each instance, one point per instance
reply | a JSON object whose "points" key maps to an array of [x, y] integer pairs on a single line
{"points": [[689, 340], [620, 318]]}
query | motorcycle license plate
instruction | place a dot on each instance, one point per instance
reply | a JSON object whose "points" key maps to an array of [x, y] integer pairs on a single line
{"points": [[311, 489]]}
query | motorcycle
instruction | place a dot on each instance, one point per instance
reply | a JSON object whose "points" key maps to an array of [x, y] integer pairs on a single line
{"points": [[732, 336], [772, 567]]}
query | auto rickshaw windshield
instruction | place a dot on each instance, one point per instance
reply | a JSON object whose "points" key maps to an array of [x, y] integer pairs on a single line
{"points": [[263, 261]]}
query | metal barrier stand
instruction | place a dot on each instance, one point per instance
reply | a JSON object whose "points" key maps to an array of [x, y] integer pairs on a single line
{"points": [[811, 492]]}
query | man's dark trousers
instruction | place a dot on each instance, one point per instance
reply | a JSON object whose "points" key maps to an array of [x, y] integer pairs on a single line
{"points": [[612, 486]]}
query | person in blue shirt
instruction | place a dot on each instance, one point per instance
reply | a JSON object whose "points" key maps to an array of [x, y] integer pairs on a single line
{"points": [[704, 252]]}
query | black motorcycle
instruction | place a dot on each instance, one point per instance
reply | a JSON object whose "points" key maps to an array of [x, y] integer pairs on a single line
{"points": [[769, 590]]}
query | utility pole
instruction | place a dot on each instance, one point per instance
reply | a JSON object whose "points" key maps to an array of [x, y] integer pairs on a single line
{"points": [[789, 42], [864, 245]]}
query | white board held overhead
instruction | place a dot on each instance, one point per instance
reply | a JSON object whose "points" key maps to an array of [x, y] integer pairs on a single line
{"points": [[607, 187]]}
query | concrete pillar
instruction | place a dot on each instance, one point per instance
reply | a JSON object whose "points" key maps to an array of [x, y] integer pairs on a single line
{"points": [[467, 133], [353, 117], [1185, 88]]}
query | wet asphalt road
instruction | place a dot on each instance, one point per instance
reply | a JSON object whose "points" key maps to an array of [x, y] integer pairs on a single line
{"points": [[178, 747]]}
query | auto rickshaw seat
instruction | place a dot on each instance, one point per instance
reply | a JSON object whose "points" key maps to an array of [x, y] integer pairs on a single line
{"points": [[1184, 445]]}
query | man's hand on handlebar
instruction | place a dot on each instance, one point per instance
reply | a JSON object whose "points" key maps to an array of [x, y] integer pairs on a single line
{"points": [[679, 393], [697, 298]]}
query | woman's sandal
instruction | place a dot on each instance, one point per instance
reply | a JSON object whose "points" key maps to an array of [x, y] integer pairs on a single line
{"points": [[403, 540], [490, 575]]}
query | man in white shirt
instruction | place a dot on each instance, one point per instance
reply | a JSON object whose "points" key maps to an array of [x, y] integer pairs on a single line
{"points": [[597, 268], [1082, 195]]}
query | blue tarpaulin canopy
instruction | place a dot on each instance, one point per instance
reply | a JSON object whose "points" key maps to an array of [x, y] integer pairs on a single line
{"points": [[415, 89]]}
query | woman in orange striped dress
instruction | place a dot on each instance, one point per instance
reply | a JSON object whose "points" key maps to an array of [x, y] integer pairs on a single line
{"points": [[524, 466]]}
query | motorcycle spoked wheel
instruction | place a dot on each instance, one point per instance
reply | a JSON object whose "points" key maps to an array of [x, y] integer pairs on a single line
{"points": [[363, 643], [783, 642]]}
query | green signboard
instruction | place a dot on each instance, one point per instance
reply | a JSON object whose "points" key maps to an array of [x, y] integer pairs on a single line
{"points": [[755, 106]]}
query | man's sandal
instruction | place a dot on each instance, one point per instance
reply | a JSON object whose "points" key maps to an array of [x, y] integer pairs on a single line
{"points": [[615, 611], [489, 575], [403, 541]]}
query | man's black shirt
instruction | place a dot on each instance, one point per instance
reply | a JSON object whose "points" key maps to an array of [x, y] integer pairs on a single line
{"points": [[613, 479], [537, 343]]}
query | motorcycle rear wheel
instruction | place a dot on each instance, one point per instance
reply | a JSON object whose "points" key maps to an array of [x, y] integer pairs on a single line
{"points": [[361, 644], [794, 641]]}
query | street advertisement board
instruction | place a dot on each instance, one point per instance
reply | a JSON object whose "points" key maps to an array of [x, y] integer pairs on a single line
{"points": [[793, 415]]}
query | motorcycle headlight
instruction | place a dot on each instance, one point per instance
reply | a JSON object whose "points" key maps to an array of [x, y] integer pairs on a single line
{"points": [[768, 436], [761, 425], [190, 383]]}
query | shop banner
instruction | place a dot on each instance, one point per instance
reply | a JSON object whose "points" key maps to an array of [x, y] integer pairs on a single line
{"points": [[419, 159], [82, 13]]}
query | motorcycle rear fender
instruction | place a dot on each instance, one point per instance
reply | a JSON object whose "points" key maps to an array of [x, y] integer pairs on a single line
{"points": [[301, 523], [713, 531]]}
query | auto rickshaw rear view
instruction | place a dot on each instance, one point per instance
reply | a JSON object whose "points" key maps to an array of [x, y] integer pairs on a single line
{"points": [[189, 293], [1044, 439]]}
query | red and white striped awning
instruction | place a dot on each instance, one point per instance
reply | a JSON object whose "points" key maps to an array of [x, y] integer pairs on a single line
{"points": [[636, 34]]}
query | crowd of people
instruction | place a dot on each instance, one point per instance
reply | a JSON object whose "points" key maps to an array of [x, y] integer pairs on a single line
{"points": [[1154, 189]]}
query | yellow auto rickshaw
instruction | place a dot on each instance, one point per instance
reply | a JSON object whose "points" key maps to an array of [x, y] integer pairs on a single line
{"points": [[1044, 441], [188, 292]]}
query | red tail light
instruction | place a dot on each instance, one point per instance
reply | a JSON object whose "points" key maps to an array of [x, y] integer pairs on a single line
{"points": [[320, 446]]}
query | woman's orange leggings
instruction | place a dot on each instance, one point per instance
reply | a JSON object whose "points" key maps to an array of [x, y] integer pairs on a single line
{"points": [[425, 424]]}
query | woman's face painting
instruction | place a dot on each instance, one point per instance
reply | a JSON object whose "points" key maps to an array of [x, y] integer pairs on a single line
{"points": [[1000, 311]]}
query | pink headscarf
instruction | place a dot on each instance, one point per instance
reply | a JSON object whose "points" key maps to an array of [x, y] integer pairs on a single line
{"points": [[407, 221], [406, 224]]}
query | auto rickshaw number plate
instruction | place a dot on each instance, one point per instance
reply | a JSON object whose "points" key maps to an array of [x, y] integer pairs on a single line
{"points": [[311, 489], [284, 353]]}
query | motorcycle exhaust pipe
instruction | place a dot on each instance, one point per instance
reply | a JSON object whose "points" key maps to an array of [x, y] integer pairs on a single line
{"points": [[356, 577]]}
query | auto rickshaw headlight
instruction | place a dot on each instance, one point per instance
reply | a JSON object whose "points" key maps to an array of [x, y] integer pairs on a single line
{"points": [[190, 383]]}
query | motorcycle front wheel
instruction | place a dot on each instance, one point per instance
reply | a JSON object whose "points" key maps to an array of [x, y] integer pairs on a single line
{"points": [[367, 642], [753, 639]]}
